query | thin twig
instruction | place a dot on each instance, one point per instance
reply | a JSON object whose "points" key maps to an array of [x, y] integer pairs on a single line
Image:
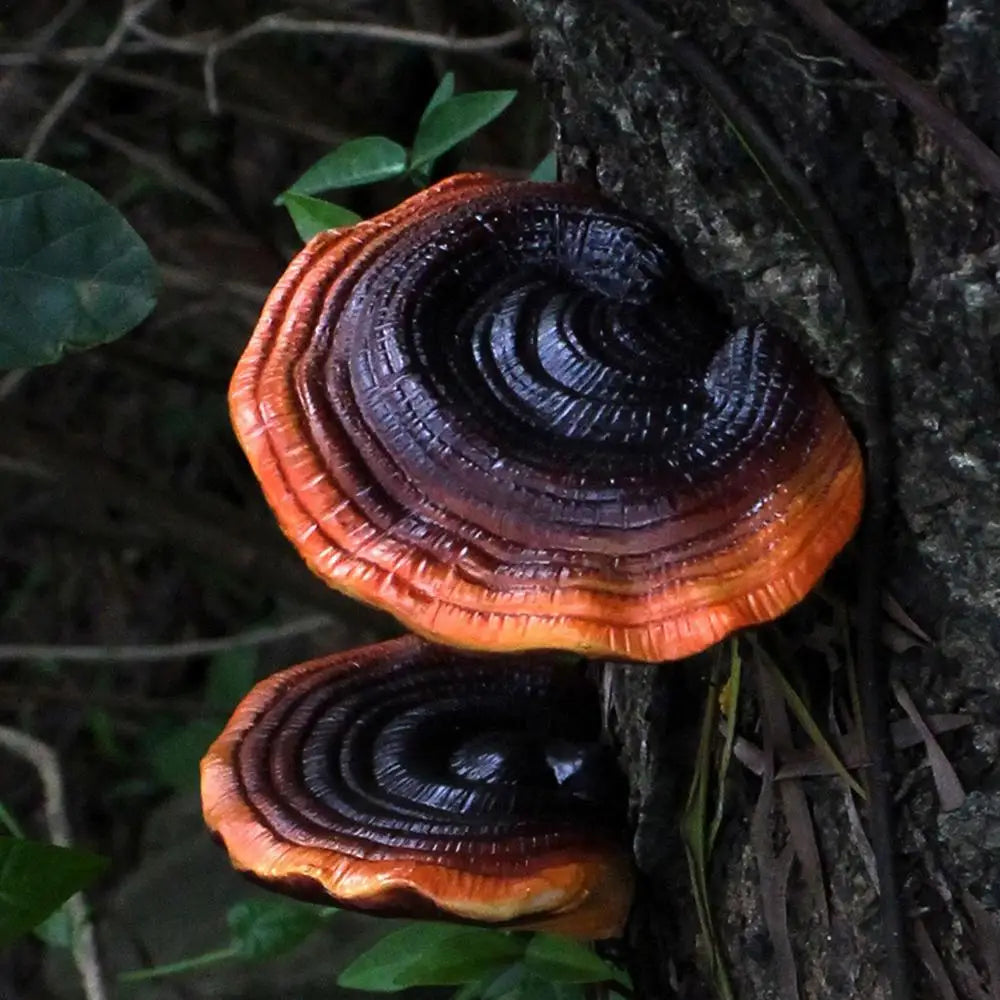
{"points": [[131, 12], [40, 43], [43, 758], [73, 55], [287, 25], [153, 653], [953, 133]]}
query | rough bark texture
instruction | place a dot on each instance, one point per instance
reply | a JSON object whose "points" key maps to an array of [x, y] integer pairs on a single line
{"points": [[927, 239]]}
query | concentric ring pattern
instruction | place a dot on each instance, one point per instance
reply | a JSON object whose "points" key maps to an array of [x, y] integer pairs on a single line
{"points": [[499, 412], [417, 780]]}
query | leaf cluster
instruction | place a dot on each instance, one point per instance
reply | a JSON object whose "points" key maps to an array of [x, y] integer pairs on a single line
{"points": [[487, 964], [447, 120]]}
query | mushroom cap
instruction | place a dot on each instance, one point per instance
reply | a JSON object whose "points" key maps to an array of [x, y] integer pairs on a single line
{"points": [[501, 412], [413, 780]]}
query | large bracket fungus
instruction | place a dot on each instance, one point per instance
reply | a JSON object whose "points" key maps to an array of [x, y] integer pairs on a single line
{"points": [[500, 412], [406, 778]]}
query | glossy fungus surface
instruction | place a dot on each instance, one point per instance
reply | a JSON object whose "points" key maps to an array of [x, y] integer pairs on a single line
{"points": [[410, 779], [501, 412]]}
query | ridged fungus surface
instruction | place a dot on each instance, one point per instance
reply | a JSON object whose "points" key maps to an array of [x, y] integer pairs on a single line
{"points": [[500, 412], [411, 779]]}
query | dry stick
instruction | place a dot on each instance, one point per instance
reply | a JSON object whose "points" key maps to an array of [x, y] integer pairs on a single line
{"points": [[953, 133], [824, 229], [284, 24], [43, 758], [41, 40], [155, 652], [200, 44], [131, 12]]}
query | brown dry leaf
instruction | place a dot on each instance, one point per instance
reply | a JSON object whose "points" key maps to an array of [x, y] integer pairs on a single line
{"points": [[778, 742], [987, 927], [899, 640], [905, 733], [773, 873], [932, 962], [950, 791], [896, 614], [810, 763], [860, 838]]}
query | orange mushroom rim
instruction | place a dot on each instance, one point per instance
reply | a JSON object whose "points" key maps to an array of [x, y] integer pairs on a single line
{"points": [[411, 779], [501, 412]]}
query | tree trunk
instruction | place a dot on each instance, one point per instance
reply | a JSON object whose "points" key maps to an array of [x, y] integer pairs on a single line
{"points": [[923, 233]]}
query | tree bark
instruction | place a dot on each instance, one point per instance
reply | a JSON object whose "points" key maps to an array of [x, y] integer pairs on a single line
{"points": [[925, 237]]}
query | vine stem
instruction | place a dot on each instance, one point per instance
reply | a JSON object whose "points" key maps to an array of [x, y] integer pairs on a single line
{"points": [[183, 965]]}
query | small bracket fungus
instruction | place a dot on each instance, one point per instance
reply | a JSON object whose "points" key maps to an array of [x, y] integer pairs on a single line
{"points": [[500, 412], [410, 779]]}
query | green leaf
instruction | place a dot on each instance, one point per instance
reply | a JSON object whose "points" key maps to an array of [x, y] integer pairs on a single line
{"points": [[263, 928], [563, 960], [73, 272], [431, 955], [445, 91], [453, 120], [35, 879], [313, 215], [547, 169], [360, 161], [230, 676]]}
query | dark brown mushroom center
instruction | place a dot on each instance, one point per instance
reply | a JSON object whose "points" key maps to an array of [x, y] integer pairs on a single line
{"points": [[461, 753], [538, 354]]}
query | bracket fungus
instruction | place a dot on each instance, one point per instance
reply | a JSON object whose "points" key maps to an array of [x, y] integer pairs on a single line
{"points": [[410, 779], [500, 412]]}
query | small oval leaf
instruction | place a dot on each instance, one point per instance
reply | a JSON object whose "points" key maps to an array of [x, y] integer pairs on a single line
{"points": [[73, 272], [360, 161], [444, 91], [453, 120], [431, 955], [37, 878], [314, 215]]}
